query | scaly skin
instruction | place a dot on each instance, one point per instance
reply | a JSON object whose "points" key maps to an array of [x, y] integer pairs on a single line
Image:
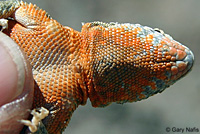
{"points": [[105, 62]]}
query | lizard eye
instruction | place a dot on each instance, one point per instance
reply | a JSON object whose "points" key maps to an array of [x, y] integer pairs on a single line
{"points": [[159, 31]]}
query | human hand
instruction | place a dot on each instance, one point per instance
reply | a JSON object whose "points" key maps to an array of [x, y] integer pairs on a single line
{"points": [[16, 86]]}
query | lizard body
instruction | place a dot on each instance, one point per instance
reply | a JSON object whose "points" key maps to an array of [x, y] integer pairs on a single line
{"points": [[105, 62]]}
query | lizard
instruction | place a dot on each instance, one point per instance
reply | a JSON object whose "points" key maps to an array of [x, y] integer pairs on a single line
{"points": [[105, 62]]}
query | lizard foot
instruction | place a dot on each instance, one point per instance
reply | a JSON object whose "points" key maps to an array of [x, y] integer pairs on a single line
{"points": [[3, 24], [38, 115]]}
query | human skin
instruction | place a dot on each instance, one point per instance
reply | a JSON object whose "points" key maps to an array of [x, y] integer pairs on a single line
{"points": [[16, 86]]}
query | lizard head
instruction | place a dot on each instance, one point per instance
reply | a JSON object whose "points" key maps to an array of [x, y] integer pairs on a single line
{"points": [[130, 62]]}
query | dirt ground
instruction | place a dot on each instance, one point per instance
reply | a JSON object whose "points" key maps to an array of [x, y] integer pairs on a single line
{"points": [[178, 106]]}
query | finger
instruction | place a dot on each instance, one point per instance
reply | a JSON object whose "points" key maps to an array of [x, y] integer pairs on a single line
{"points": [[16, 86]]}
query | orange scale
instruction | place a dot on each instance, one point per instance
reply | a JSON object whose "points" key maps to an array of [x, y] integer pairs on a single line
{"points": [[59, 91], [60, 79], [168, 68], [69, 85], [106, 33], [131, 34], [42, 87], [44, 95], [45, 35], [29, 54], [55, 40], [58, 97], [151, 62], [181, 54], [44, 43], [45, 91], [158, 60], [25, 49], [26, 42], [52, 97], [155, 65], [64, 90], [48, 40], [160, 46], [47, 83], [163, 42], [173, 77], [168, 65], [40, 46], [167, 40], [49, 32], [148, 40], [166, 53], [146, 63], [133, 40], [164, 59], [48, 96], [52, 79], [159, 69], [59, 103], [21, 42], [172, 51], [142, 96], [150, 36], [168, 57], [173, 58], [36, 12], [43, 17], [126, 37], [155, 69], [159, 56], [182, 66], [37, 39], [53, 100], [54, 89], [163, 67], [60, 34], [115, 29], [63, 95], [179, 46], [77, 76], [55, 85], [137, 29], [163, 77]]}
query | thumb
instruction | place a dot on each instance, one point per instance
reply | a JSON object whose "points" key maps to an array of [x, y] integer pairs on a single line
{"points": [[16, 86]]}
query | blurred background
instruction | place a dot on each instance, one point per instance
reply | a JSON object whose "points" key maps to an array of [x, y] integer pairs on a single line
{"points": [[179, 105]]}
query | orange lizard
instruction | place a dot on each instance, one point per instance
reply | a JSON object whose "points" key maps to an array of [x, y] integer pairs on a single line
{"points": [[105, 62]]}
